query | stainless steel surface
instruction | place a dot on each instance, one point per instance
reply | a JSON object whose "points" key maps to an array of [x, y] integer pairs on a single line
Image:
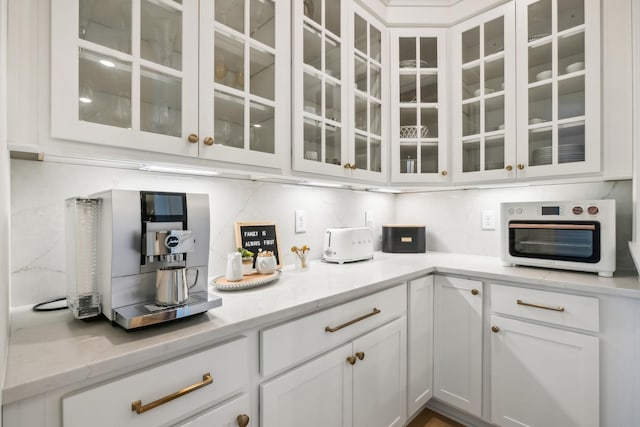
{"points": [[148, 313], [172, 285]]}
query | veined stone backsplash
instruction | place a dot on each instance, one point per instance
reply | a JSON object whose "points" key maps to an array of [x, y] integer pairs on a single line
{"points": [[38, 191], [452, 218]]}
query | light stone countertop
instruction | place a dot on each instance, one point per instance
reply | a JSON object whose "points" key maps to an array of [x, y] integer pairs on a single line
{"points": [[53, 350]]}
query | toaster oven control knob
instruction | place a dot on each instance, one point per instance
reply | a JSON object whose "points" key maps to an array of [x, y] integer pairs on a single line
{"points": [[511, 211], [593, 210], [577, 210]]}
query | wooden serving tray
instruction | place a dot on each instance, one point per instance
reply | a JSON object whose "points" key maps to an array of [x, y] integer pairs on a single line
{"points": [[248, 281]]}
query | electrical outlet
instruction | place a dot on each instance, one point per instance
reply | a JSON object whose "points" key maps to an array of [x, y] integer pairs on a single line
{"points": [[368, 219], [301, 221], [488, 220]]}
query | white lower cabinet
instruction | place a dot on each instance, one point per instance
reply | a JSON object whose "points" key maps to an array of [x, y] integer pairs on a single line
{"points": [[544, 375], [457, 327], [419, 343], [361, 384], [165, 394]]}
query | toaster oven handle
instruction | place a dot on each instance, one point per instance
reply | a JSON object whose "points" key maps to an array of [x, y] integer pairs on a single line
{"points": [[351, 322], [554, 226]]}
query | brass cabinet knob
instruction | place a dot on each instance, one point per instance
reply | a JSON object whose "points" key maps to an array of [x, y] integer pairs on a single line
{"points": [[444, 173], [495, 329], [193, 138], [351, 360], [353, 167], [243, 420], [474, 292], [360, 355], [208, 141], [509, 168], [520, 166], [347, 165]]}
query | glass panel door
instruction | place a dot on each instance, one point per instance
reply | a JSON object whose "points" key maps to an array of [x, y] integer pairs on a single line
{"points": [[244, 74], [418, 82], [367, 96], [556, 108], [322, 86], [483, 97]]}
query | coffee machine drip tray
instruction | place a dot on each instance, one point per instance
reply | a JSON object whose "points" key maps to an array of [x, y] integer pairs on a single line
{"points": [[149, 313]]}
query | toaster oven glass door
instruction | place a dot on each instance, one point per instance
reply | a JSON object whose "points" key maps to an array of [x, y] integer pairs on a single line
{"points": [[577, 241]]}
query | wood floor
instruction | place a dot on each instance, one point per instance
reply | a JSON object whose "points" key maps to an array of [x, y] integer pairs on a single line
{"points": [[428, 418]]}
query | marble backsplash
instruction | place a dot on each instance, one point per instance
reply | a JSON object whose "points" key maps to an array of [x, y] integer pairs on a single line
{"points": [[452, 217], [38, 191]]}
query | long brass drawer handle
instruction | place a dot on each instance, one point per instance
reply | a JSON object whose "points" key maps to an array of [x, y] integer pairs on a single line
{"points": [[140, 408], [351, 322], [560, 308]]}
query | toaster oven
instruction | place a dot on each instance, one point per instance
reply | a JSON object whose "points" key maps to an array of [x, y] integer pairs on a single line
{"points": [[571, 235]]}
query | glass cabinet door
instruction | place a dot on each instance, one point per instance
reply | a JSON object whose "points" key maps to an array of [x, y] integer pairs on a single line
{"points": [[418, 133], [319, 85], [123, 73], [484, 143], [556, 116], [244, 71], [367, 152]]}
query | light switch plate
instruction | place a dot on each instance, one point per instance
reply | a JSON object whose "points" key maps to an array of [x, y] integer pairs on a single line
{"points": [[368, 219], [488, 220], [301, 221]]}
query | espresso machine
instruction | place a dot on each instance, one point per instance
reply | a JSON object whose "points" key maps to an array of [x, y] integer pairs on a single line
{"points": [[153, 256]]}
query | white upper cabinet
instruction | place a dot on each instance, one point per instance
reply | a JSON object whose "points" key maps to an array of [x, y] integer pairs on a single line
{"points": [[484, 96], [339, 118], [558, 43], [190, 78], [527, 106], [418, 118]]}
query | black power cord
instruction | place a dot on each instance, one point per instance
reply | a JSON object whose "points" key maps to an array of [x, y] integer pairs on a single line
{"points": [[41, 305]]}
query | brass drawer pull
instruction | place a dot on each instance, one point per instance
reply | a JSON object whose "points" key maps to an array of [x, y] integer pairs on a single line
{"points": [[351, 322], [520, 302], [140, 408]]}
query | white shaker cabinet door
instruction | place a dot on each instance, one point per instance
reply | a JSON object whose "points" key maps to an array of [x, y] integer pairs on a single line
{"points": [[316, 394], [542, 376], [420, 343], [458, 343], [379, 377]]}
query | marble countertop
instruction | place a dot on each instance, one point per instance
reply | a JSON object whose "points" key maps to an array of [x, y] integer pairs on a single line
{"points": [[53, 350]]}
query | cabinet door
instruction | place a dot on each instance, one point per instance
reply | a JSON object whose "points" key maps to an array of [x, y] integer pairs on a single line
{"points": [[379, 377], [542, 376], [419, 140], [124, 73], [320, 103], [316, 394], [368, 149], [458, 343], [231, 414], [244, 84], [420, 343], [484, 97], [558, 87]]}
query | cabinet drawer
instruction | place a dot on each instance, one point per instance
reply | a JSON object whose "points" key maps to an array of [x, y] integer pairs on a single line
{"points": [[111, 404], [293, 342], [573, 311]]}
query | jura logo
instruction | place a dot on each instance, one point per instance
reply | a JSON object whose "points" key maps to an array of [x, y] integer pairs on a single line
{"points": [[172, 241]]}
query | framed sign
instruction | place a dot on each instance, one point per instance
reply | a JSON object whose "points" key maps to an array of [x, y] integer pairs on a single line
{"points": [[258, 236]]}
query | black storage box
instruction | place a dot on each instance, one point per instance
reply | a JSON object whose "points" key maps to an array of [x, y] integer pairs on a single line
{"points": [[403, 238]]}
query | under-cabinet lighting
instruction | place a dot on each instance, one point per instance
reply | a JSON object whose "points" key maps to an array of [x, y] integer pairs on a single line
{"points": [[186, 171], [385, 190], [85, 100], [257, 125], [322, 184], [107, 63]]}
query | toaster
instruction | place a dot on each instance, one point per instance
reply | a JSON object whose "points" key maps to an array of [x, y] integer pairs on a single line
{"points": [[347, 244]]}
